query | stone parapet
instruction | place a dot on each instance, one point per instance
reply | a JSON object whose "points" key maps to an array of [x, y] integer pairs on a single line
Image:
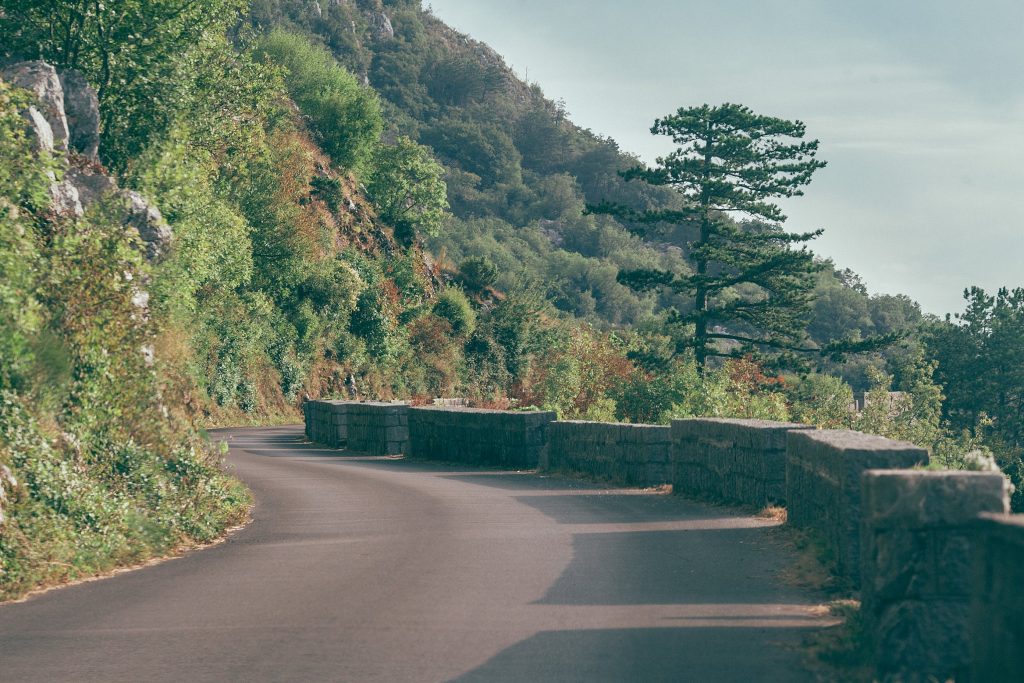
{"points": [[738, 461], [918, 543], [376, 428], [997, 600], [514, 439], [823, 485], [626, 454]]}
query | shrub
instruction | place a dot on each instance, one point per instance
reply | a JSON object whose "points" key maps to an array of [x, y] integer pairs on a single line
{"points": [[345, 115], [478, 272], [821, 400], [453, 306]]}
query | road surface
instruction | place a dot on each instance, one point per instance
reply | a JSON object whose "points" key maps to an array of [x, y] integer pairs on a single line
{"points": [[359, 568]]}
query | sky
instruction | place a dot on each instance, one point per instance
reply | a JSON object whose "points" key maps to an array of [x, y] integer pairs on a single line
{"points": [[918, 104]]}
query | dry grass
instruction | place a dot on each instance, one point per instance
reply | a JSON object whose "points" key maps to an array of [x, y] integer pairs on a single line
{"points": [[775, 513], [841, 653]]}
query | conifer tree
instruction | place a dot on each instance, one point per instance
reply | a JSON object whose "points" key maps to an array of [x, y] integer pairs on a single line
{"points": [[751, 285]]}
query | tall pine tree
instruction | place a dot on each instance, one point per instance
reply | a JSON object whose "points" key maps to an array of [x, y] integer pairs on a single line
{"points": [[751, 288]]}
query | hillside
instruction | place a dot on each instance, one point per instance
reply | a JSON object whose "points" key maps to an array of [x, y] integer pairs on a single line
{"points": [[519, 172], [210, 214]]}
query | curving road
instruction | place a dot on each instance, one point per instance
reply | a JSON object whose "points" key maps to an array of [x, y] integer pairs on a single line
{"points": [[379, 569]]}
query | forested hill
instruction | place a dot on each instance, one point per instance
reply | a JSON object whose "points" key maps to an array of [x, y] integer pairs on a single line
{"points": [[519, 172]]}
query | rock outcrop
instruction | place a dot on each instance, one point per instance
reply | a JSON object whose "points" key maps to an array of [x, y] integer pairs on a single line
{"points": [[66, 121], [82, 109], [382, 25], [147, 221], [42, 80]]}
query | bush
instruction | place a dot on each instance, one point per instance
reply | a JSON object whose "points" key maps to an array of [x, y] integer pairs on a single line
{"points": [[453, 306], [23, 184], [478, 272], [345, 115], [821, 400]]}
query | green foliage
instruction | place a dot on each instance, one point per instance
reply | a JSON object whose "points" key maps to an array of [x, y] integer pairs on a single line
{"points": [[912, 416], [478, 272], [737, 389], [821, 400], [460, 79], [574, 377], [96, 473], [980, 356], [518, 172], [484, 151], [750, 288], [345, 115], [212, 247], [23, 185], [453, 306], [134, 52], [516, 325], [407, 186], [679, 389], [85, 505]]}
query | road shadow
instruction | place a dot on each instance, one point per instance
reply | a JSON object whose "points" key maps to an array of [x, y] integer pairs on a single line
{"points": [[649, 654], [717, 566], [524, 481], [609, 507]]}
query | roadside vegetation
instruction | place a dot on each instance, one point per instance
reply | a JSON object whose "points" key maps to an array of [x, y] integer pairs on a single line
{"points": [[360, 195]]}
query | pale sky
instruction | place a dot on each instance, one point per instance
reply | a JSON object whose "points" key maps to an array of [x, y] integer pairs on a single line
{"points": [[918, 104]]}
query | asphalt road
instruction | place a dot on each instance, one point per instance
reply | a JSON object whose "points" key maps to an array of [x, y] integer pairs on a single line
{"points": [[379, 569]]}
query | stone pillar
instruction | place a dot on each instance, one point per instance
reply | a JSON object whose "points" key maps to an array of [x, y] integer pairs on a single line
{"points": [[823, 471], [917, 547], [997, 600]]}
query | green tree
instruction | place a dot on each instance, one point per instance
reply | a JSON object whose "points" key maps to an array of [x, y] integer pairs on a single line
{"points": [[453, 307], [137, 53], [478, 272], [980, 366], [751, 289], [407, 186], [345, 114]]}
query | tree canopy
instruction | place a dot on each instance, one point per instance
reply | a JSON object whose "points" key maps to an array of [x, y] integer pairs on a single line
{"points": [[751, 288], [407, 185]]}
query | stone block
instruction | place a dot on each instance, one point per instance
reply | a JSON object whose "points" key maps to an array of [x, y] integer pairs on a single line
{"points": [[922, 641], [931, 498], [997, 601], [917, 549]]}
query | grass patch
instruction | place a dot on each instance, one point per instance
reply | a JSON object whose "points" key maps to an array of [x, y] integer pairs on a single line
{"points": [[774, 513], [842, 653], [77, 507], [813, 564]]}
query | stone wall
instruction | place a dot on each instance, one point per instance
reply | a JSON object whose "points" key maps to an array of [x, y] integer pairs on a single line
{"points": [[627, 454], [739, 461], [326, 422], [479, 437], [823, 485], [918, 542], [997, 600], [375, 428], [378, 428]]}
